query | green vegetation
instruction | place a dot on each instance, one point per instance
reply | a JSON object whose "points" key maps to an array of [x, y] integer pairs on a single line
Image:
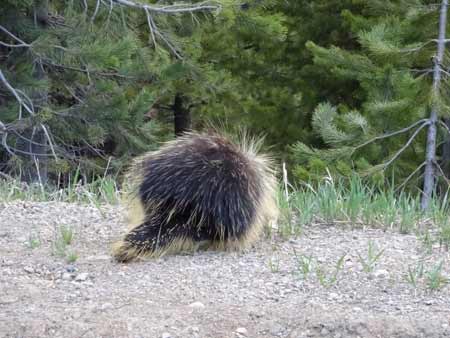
{"points": [[373, 255], [340, 88]]}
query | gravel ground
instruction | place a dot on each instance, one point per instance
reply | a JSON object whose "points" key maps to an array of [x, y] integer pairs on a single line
{"points": [[258, 293]]}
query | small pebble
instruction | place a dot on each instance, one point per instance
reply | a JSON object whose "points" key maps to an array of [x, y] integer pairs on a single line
{"points": [[381, 273], [197, 305], [166, 335], [67, 276], [29, 269], [82, 277], [241, 331]]}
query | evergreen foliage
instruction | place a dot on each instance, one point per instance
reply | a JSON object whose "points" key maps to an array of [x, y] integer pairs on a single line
{"points": [[392, 66], [91, 75]]}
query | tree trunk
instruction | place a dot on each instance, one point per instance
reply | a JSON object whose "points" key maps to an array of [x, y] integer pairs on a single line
{"points": [[429, 178], [182, 115]]}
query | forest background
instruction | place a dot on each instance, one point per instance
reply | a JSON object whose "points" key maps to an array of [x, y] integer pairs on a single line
{"points": [[339, 88]]}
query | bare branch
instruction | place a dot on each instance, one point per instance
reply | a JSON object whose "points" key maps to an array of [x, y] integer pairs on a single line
{"points": [[411, 176], [86, 71], [445, 126], [28, 108], [151, 26], [21, 42], [168, 9], [97, 6], [47, 134], [169, 44], [397, 132], [442, 173], [402, 149], [176, 8]]}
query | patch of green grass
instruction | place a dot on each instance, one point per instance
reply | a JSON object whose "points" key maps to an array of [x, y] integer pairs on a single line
{"points": [[100, 191], [353, 203]]}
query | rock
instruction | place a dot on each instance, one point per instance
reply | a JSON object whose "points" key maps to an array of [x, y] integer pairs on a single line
{"points": [[28, 269], [324, 332], [8, 300], [67, 276], [106, 306], [166, 335], [194, 329], [333, 296], [381, 273], [70, 269], [81, 277], [241, 331], [197, 305]]}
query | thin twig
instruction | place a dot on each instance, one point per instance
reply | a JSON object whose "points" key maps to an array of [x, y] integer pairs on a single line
{"points": [[402, 149], [47, 134], [410, 176], [29, 109], [22, 43], [176, 8], [442, 173], [151, 24], [397, 132]]}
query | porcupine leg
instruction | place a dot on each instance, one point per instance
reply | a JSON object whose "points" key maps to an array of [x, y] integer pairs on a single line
{"points": [[152, 237], [139, 241]]}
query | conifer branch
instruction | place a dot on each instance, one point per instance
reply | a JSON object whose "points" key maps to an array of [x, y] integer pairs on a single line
{"points": [[167, 9], [29, 108]]}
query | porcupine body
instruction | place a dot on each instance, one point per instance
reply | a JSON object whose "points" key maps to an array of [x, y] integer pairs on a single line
{"points": [[199, 190]]}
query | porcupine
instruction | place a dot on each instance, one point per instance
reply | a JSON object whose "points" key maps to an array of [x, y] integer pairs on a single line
{"points": [[199, 190]]}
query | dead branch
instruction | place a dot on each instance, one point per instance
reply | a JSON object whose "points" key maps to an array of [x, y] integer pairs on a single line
{"points": [[397, 132], [21, 42]]}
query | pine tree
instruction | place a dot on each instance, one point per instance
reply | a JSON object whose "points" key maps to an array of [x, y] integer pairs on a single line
{"points": [[392, 67], [79, 79]]}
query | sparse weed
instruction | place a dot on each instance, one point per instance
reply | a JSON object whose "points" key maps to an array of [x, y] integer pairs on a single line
{"points": [[274, 264], [59, 248], [427, 241], [373, 256], [304, 264], [66, 234], [71, 257], [33, 241], [435, 280], [328, 280], [414, 274]]}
